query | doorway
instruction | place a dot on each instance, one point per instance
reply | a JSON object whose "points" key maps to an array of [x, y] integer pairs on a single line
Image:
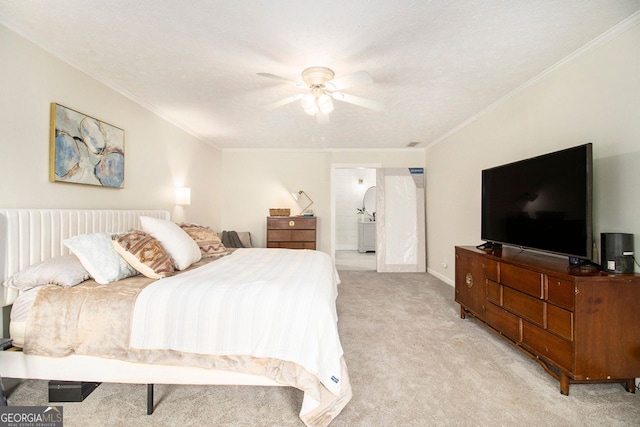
{"points": [[349, 184], [399, 224]]}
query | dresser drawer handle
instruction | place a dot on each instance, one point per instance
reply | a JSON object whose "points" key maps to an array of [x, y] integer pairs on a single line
{"points": [[292, 223], [469, 280]]}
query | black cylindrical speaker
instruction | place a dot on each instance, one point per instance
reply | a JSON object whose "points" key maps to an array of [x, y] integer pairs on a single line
{"points": [[616, 252]]}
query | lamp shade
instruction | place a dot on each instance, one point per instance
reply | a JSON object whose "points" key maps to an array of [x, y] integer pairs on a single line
{"points": [[303, 199], [183, 196]]}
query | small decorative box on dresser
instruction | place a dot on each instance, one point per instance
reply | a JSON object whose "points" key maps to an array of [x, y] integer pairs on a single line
{"points": [[581, 326], [292, 232]]}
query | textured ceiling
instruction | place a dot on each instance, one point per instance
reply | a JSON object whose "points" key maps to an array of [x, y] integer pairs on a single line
{"points": [[435, 64]]}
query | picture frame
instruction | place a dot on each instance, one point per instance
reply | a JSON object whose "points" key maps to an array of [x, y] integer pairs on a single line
{"points": [[85, 150]]}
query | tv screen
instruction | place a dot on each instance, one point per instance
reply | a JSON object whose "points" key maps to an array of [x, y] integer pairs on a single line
{"points": [[541, 203]]}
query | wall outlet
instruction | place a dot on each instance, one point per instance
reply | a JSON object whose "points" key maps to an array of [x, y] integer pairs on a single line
{"points": [[445, 264]]}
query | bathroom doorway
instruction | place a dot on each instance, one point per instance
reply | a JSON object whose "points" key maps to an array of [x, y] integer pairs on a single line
{"points": [[396, 223], [349, 185]]}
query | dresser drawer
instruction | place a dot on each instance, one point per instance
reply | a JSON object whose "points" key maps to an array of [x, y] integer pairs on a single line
{"points": [[503, 321], [490, 269], [494, 292], [523, 305], [560, 321], [524, 280], [561, 292], [546, 344]]}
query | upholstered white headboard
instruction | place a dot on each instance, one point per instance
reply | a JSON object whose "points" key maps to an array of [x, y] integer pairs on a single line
{"points": [[29, 236]]}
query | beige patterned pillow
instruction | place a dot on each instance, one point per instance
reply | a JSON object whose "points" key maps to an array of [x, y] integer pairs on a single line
{"points": [[208, 241], [144, 253]]}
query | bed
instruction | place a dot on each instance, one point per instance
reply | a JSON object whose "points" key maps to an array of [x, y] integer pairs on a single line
{"points": [[253, 317]]}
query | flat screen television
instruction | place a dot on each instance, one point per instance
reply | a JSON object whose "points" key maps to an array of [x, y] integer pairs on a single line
{"points": [[542, 203]]}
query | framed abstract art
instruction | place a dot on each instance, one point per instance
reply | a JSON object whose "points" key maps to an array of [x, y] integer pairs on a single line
{"points": [[85, 150]]}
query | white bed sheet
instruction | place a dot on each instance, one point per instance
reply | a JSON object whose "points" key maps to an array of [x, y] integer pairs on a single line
{"points": [[266, 303]]}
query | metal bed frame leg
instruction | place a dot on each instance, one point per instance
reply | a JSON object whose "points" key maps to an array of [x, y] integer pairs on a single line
{"points": [[149, 399]]}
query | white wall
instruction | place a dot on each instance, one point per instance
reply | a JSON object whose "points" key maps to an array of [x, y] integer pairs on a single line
{"points": [[256, 180], [158, 155], [594, 97]]}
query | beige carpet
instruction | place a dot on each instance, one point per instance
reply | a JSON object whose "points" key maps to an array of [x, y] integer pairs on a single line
{"points": [[412, 362]]}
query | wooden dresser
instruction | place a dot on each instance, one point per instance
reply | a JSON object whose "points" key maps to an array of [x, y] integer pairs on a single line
{"points": [[292, 232], [581, 326]]}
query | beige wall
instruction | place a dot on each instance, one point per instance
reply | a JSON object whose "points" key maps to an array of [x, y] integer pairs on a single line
{"points": [[595, 97], [158, 155], [256, 180]]}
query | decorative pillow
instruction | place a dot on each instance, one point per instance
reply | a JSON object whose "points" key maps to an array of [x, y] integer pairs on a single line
{"points": [[144, 253], [65, 271], [98, 256], [208, 241], [182, 248]]}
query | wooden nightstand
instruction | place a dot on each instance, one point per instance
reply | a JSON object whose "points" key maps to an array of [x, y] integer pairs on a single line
{"points": [[292, 232]]}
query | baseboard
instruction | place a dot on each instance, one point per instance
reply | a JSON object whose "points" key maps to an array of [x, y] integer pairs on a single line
{"points": [[441, 277], [346, 248]]}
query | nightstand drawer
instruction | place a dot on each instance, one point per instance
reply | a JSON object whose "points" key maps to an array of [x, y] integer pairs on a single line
{"points": [[288, 223], [291, 235], [292, 245]]}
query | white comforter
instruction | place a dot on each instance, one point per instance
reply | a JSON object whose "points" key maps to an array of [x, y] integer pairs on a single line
{"points": [[267, 303]]}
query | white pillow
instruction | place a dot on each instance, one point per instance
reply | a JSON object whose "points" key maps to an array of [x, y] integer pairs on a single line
{"points": [[181, 248], [98, 256], [65, 271]]}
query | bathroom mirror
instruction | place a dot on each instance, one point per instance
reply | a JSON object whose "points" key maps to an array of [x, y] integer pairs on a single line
{"points": [[369, 202]]}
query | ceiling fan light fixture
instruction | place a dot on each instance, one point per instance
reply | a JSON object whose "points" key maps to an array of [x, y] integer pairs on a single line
{"points": [[323, 89], [325, 104], [309, 104], [317, 102]]}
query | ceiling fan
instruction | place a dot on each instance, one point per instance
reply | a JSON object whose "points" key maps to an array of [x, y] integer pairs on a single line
{"points": [[322, 88]]}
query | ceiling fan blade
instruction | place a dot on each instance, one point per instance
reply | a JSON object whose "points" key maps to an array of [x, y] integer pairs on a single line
{"points": [[356, 100], [322, 119], [283, 102], [282, 79], [358, 78]]}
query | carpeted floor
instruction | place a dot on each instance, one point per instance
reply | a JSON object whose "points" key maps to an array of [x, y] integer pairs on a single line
{"points": [[412, 362]]}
